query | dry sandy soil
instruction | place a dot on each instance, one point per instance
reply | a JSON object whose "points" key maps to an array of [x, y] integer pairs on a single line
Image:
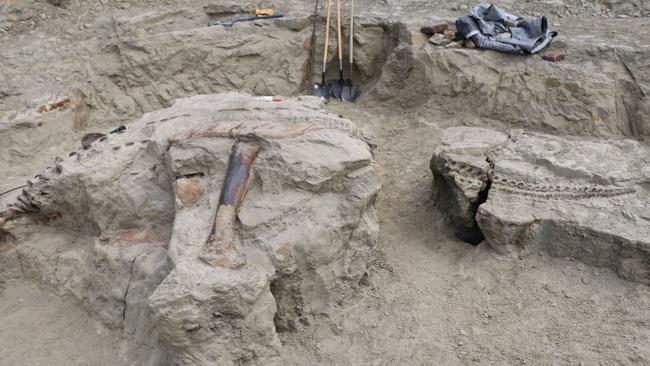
{"points": [[431, 299]]}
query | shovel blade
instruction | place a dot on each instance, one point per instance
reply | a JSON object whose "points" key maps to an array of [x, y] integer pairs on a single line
{"points": [[322, 90], [349, 92], [337, 89]]}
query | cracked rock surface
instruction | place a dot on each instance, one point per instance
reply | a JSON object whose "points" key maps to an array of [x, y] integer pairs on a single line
{"points": [[565, 196]]}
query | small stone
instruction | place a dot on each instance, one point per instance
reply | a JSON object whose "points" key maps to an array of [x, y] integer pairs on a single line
{"points": [[584, 281], [434, 29], [450, 35], [439, 40], [553, 55]]}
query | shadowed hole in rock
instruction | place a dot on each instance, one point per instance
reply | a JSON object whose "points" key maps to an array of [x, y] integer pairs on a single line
{"points": [[288, 302], [364, 280], [463, 229], [7, 241], [190, 175], [474, 235]]}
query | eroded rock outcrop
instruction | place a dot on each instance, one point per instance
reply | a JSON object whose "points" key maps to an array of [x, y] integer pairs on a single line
{"points": [[529, 192], [600, 90], [122, 226]]}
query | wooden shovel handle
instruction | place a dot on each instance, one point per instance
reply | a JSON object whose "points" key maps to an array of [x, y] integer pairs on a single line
{"points": [[327, 32], [338, 29], [351, 34]]}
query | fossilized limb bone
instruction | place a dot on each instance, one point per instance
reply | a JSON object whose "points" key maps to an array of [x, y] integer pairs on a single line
{"points": [[252, 129], [220, 248]]}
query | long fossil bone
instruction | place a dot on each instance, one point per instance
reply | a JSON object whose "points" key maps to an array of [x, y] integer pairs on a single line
{"points": [[251, 129], [220, 248]]}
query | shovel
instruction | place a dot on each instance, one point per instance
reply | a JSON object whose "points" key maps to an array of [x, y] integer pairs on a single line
{"points": [[323, 90], [248, 19], [312, 50], [350, 93], [337, 85]]}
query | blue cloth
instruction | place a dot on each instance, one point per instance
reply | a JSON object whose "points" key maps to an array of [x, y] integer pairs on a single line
{"points": [[487, 21]]}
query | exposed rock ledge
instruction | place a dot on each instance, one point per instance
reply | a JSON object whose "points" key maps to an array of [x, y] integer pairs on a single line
{"points": [[529, 192], [122, 226]]}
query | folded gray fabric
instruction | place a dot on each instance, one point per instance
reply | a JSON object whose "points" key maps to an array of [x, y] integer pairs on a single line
{"points": [[487, 21]]}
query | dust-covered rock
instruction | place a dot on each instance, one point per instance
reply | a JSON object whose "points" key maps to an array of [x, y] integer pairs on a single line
{"points": [[577, 97], [531, 192], [122, 223], [461, 176]]}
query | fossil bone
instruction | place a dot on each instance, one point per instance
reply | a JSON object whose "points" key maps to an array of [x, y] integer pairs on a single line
{"points": [[220, 249], [250, 129]]}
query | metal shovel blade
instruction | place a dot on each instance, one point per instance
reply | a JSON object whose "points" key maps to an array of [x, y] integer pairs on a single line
{"points": [[337, 89], [322, 90], [350, 93]]}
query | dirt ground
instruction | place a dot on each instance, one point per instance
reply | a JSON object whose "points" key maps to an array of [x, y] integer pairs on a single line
{"points": [[435, 300], [40, 328], [430, 300]]}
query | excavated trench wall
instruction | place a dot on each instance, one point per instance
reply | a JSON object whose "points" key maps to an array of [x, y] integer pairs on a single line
{"points": [[145, 62]]}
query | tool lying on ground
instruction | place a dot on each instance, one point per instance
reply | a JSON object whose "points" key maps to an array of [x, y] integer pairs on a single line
{"points": [[248, 19], [263, 12], [269, 99], [350, 93], [323, 90], [312, 50], [337, 85]]}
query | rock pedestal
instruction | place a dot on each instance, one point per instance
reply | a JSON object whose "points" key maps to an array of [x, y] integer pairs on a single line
{"points": [[531, 192], [121, 224]]}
